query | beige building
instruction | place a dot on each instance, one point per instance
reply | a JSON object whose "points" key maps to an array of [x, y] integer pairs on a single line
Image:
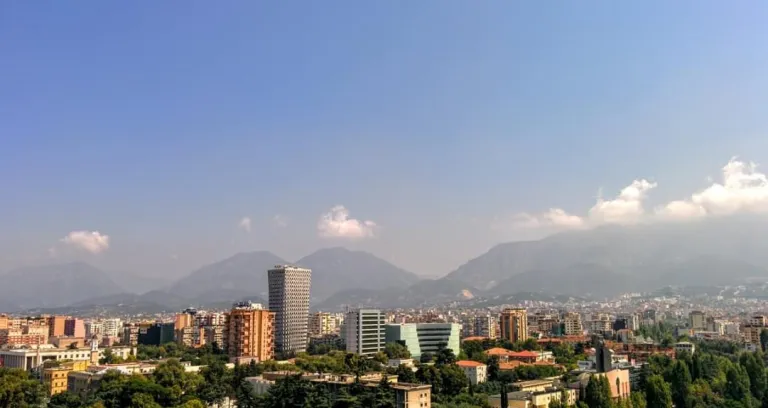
{"points": [[476, 372], [55, 378], [250, 333], [535, 399], [321, 323], [514, 325], [31, 358], [572, 323]]}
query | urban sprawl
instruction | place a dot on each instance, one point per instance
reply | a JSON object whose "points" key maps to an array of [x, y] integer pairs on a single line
{"points": [[633, 351]]}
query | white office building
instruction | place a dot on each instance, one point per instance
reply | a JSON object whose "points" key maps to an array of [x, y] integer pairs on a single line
{"points": [[364, 331]]}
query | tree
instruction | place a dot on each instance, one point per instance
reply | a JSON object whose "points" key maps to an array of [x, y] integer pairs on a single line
{"points": [[445, 356], [429, 374], [194, 403], [638, 399], [755, 368], [141, 400], [453, 379], [18, 390], [405, 374], [764, 339], [504, 396], [598, 392], [737, 385], [493, 368], [680, 383], [657, 393], [216, 384], [396, 351], [426, 357], [65, 400]]}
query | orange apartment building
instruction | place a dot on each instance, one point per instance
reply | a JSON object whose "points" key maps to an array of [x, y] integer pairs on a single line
{"points": [[514, 325], [250, 333], [56, 325]]}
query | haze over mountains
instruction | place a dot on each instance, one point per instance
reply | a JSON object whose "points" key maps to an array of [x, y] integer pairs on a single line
{"points": [[598, 263]]}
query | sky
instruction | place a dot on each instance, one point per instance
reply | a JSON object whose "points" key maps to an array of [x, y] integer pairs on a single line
{"points": [[155, 137]]}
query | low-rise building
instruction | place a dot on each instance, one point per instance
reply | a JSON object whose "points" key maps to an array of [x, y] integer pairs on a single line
{"points": [[685, 346], [476, 372], [31, 358], [55, 378]]}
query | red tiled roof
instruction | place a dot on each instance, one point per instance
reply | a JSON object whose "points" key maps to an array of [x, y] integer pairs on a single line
{"points": [[497, 351], [474, 338], [468, 363], [511, 365], [524, 353]]}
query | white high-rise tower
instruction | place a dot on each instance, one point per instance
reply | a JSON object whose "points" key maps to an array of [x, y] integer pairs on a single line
{"points": [[289, 299]]}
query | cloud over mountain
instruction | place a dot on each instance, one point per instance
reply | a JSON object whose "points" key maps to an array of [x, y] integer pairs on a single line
{"points": [[743, 190], [245, 224], [336, 223], [91, 241]]}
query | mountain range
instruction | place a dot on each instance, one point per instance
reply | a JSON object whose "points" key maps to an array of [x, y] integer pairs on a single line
{"points": [[591, 263]]}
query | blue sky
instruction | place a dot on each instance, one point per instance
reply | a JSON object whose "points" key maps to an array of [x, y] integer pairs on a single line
{"points": [[163, 124]]}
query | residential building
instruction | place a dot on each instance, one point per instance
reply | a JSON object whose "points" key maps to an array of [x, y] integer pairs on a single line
{"points": [[364, 331], [184, 319], [250, 333], [130, 335], [486, 326], [112, 327], [422, 338], [631, 321], [537, 395], [190, 336], [55, 378], [697, 320], [600, 323], [74, 327], [572, 323], [56, 325], [24, 336], [215, 335], [93, 328], [321, 323], [4, 321], [514, 325], [758, 320], [476, 372], [289, 288], [686, 346]]}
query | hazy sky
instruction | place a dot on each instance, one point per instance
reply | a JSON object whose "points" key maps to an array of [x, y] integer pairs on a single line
{"points": [[157, 136]]}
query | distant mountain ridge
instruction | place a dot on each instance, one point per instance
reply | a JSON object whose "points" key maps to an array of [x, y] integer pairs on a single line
{"points": [[333, 270], [54, 285], [593, 263], [613, 259]]}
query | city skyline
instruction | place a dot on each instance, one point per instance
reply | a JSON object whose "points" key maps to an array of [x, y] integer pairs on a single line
{"points": [[422, 134]]}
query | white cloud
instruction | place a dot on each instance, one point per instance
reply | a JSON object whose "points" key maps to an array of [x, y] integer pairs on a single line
{"points": [[245, 224], [337, 224], [627, 208], [91, 241], [743, 189], [280, 220], [555, 217]]}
